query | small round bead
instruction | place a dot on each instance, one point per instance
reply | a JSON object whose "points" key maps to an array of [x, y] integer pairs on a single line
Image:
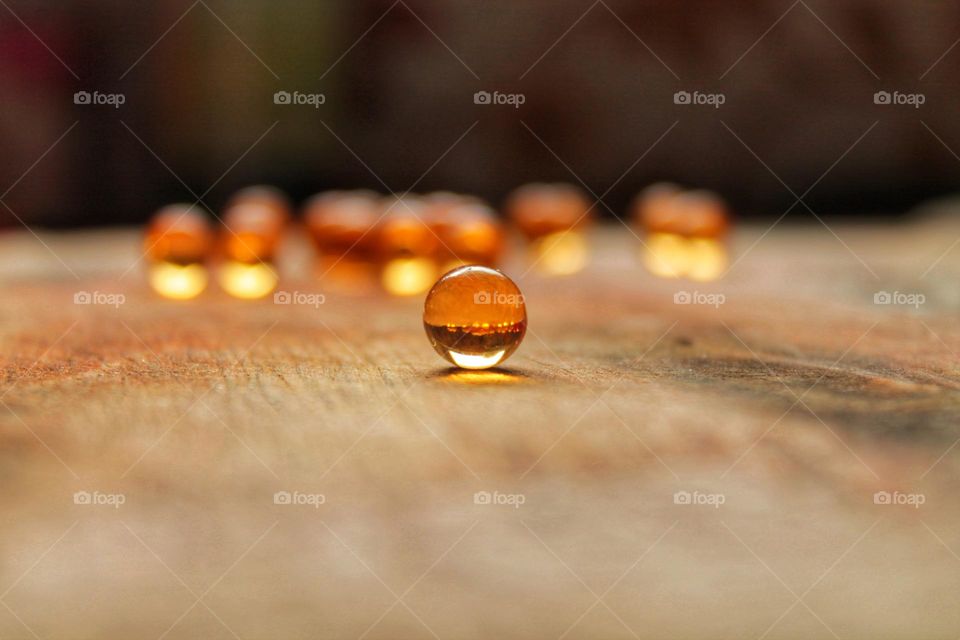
{"points": [[252, 232], [475, 317], [691, 214], [407, 248], [179, 233], [702, 214], [439, 202], [403, 230], [542, 209], [440, 209], [177, 243], [652, 209], [263, 195], [469, 233], [685, 231], [341, 224]]}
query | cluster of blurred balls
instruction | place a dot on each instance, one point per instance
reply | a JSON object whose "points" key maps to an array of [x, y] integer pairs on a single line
{"points": [[407, 242]]}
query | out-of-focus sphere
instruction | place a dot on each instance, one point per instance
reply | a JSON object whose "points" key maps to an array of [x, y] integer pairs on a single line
{"points": [[252, 232], [342, 224], [468, 233], [541, 209], [701, 214], [178, 233], [402, 231], [177, 243], [652, 209], [264, 195]]}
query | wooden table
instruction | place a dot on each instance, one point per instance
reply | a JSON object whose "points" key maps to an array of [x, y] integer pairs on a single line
{"points": [[780, 412]]}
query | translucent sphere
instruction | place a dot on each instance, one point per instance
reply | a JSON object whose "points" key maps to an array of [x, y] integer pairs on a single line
{"points": [[475, 317]]}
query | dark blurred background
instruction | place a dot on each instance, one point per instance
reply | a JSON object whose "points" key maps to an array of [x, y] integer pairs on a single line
{"points": [[598, 79]]}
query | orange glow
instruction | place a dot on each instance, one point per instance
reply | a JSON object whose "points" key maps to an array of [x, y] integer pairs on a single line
{"points": [[408, 276], [669, 255], [177, 281], [561, 254], [247, 281], [666, 255], [708, 259], [481, 377]]}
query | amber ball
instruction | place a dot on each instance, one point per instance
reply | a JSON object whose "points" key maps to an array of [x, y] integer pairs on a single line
{"points": [[252, 232], [342, 223], [691, 214], [403, 230], [653, 209], [180, 234], [475, 317], [468, 232], [541, 209], [264, 195]]}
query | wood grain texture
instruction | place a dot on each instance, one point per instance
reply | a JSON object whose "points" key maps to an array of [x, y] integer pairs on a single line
{"points": [[796, 399]]}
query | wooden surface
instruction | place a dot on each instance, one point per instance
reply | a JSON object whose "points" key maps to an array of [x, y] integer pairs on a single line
{"points": [[796, 400]]}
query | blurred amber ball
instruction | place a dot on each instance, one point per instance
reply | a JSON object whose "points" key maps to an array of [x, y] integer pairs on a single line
{"points": [[178, 233], [469, 232], [263, 195], [342, 223], [541, 209], [702, 214], [653, 209], [252, 232], [691, 214], [402, 230]]}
